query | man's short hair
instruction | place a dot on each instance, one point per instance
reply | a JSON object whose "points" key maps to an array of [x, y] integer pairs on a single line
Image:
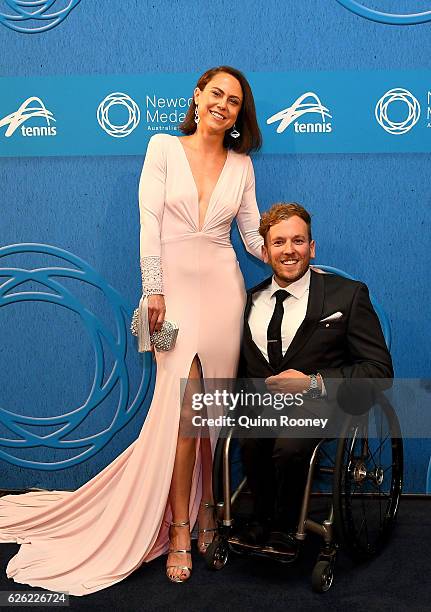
{"points": [[281, 212]]}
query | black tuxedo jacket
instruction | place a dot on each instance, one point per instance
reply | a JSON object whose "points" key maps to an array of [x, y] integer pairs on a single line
{"points": [[350, 347]]}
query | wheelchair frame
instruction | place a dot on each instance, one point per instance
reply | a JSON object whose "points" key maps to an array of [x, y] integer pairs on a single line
{"points": [[339, 527]]}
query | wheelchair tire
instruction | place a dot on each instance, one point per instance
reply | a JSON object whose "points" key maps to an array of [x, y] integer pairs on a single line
{"points": [[216, 555], [368, 480], [322, 576]]}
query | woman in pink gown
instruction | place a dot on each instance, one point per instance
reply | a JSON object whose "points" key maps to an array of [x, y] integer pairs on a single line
{"points": [[190, 191]]}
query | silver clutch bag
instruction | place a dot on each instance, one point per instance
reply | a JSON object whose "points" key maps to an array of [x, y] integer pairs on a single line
{"points": [[162, 340]]}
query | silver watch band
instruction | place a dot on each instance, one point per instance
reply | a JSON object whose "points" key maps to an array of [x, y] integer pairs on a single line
{"points": [[313, 391]]}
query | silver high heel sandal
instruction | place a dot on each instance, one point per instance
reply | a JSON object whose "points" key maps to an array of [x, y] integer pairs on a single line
{"points": [[186, 551], [202, 546]]}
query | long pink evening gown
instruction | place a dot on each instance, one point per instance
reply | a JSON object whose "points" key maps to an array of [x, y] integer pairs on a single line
{"points": [[86, 540]]}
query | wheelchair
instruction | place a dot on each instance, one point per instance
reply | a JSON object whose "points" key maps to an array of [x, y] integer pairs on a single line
{"points": [[366, 470]]}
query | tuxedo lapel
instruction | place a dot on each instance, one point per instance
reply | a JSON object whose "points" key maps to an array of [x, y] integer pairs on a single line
{"points": [[247, 333], [251, 292], [312, 317]]}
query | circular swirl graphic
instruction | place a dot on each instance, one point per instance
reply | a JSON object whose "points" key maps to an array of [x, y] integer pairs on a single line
{"points": [[36, 16], [118, 99], [101, 335], [413, 111], [389, 18]]}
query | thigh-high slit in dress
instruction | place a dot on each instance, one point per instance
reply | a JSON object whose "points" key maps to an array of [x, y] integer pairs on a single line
{"points": [[85, 540]]}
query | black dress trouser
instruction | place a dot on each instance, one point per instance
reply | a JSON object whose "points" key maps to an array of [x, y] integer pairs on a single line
{"points": [[276, 470]]}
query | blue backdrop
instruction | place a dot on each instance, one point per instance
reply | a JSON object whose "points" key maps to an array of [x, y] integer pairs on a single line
{"points": [[371, 210]]}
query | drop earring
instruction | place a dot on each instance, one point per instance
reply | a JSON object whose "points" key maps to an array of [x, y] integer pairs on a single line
{"points": [[234, 133], [197, 118]]}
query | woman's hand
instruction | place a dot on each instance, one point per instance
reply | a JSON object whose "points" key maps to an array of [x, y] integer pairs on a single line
{"points": [[156, 312]]}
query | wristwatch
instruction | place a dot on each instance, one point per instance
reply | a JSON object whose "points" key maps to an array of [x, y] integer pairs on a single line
{"points": [[313, 391]]}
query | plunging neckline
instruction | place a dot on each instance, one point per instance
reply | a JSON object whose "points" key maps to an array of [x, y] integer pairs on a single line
{"points": [[196, 187]]}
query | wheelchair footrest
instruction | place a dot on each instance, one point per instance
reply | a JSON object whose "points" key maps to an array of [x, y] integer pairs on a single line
{"points": [[267, 552]]}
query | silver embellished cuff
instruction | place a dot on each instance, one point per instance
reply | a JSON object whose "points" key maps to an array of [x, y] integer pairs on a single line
{"points": [[151, 274]]}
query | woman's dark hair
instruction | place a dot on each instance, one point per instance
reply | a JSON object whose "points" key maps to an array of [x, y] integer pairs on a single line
{"points": [[246, 123]]}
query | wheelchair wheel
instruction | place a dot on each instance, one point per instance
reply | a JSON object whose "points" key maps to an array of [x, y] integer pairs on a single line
{"points": [[368, 480], [217, 554], [322, 576]]}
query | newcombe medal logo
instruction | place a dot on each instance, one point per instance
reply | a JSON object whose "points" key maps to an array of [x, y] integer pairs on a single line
{"points": [[34, 16], [307, 115], [397, 111], [115, 102]]}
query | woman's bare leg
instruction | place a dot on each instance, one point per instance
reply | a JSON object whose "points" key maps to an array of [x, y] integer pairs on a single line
{"points": [[179, 494]]}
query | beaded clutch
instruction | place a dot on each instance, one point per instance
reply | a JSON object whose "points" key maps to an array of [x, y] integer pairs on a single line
{"points": [[162, 340]]}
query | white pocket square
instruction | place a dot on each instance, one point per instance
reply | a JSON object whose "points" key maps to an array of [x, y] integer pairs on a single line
{"points": [[333, 317]]}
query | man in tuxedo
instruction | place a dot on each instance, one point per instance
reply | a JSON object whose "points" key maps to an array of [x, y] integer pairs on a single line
{"points": [[302, 328]]}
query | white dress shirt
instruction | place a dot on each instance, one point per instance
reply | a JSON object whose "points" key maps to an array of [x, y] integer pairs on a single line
{"points": [[295, 308]]}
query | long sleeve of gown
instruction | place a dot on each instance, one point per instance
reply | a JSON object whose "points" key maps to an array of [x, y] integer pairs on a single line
{"points": [[248, 216], [151, 205]]}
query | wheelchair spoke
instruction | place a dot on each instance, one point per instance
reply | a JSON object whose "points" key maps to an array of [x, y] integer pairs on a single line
{"points": [[379, 447], [381, 433], [328, 457], [356, 489], [365, 516], [379, 489], [361, 527], [380, 506], [369, 453]]}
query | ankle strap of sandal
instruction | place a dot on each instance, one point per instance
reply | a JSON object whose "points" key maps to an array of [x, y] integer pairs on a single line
{"points": [[185, 551], [180, 524]]}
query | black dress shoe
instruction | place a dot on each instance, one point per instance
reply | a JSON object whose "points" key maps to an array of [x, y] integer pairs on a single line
{"points": [[254, 534], [282, 542]]}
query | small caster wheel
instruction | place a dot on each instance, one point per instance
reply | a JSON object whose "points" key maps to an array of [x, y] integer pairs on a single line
{"points": [[322, 576], [216, 554]]}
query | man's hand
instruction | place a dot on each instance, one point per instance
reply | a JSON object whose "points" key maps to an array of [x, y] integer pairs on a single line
{"points": [[156, 312], [289, 381]]}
